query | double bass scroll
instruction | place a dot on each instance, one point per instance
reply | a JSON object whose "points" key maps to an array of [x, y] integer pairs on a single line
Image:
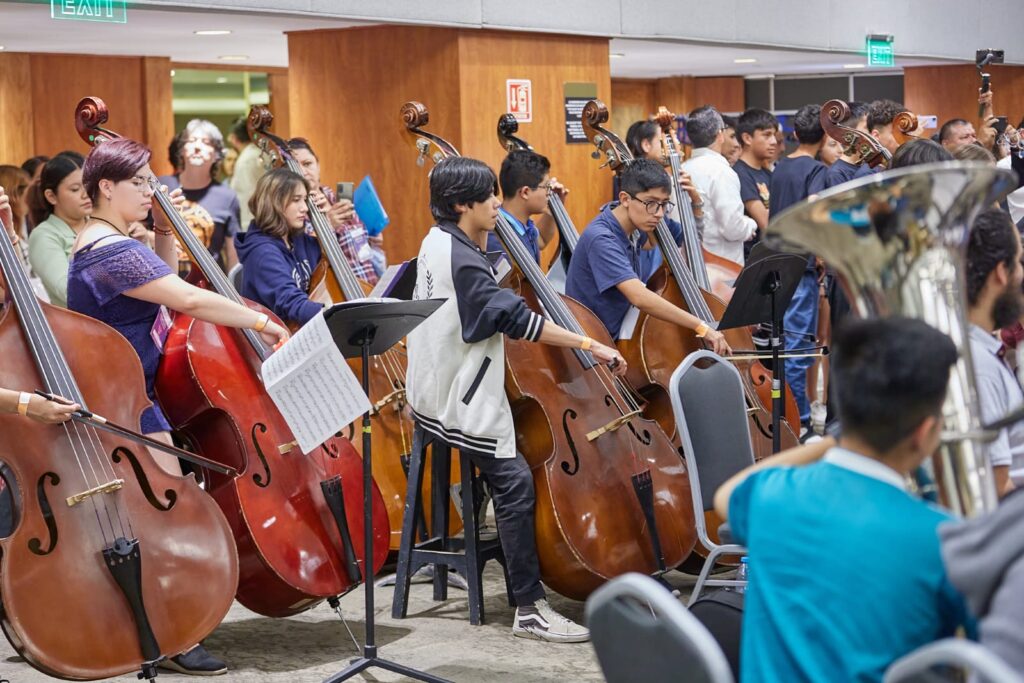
{"points": [[856, 143]]}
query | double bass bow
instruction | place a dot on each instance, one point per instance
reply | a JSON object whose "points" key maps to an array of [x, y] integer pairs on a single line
{"points": [[656, 347], [297, 519], [113, 563], [568, 236], [613, 494], [334, 281]]}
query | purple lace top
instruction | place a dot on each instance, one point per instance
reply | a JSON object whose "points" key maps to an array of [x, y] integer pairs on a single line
{"points": [[97, 277]]}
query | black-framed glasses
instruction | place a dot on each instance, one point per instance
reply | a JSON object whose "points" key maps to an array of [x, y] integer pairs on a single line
{"points": [[652, 205]]}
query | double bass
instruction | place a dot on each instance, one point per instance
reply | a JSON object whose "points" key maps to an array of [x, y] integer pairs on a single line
{"points": [[655, 348], [334, 281], [113, 563], [297, 519], [613, 494]]}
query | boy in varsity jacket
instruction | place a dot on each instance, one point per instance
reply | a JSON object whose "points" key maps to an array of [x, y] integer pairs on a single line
{"points": [[456, 375]]}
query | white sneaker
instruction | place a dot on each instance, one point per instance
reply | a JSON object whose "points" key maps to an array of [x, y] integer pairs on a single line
{"points": [[544, 623]]}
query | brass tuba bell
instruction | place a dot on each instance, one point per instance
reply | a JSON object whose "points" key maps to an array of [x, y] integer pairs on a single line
{"points": [[896, 241]]}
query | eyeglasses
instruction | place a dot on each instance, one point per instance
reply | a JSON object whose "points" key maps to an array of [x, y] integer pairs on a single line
{"points": [[653, 205], [543, 186], [143, 183]]}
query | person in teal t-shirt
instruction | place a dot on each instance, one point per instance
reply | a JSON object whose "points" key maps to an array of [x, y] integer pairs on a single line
{"points": [[846, 573]]}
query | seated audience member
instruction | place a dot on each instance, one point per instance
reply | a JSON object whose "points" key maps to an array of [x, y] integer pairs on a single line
{"points": [[846, 574], [985, 561]]}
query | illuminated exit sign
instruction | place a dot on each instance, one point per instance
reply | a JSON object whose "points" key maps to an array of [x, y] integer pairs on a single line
{"points": [[880, 50], [110, 11]]}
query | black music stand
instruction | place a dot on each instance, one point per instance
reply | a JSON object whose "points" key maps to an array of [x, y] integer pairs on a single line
{"points": [[763, 290], [362, 329]]}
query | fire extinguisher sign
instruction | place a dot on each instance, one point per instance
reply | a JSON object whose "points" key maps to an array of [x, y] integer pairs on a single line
{"points": [[519, 97]]}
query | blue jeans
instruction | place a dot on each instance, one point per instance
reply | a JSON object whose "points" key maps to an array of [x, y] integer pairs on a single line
{"points": [[801, 327]]}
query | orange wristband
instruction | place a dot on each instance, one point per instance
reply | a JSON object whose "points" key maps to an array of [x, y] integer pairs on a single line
{"points": [[23, 400], [702, 330], [586, 343], [261, 322]]}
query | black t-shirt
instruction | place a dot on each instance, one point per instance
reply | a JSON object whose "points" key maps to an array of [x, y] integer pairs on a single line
{"points": [[755, 183], [211, 212], [794, 180]]}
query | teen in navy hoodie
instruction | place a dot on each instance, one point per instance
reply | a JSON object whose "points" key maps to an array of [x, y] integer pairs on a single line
{"points": [[277, 256]]}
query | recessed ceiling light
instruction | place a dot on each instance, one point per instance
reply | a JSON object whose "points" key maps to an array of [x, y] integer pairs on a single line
{"points": [[1, 47], [222, 79], [212, 32], [172, 73], [744, 60], [854, 66], [617, 55], [233, 58]]}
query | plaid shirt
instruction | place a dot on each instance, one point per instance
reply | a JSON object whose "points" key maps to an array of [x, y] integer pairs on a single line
{"points": [[352, 238]]}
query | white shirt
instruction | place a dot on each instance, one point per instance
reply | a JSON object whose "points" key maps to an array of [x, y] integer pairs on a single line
{"points": [[998, 394], [726, 227]]}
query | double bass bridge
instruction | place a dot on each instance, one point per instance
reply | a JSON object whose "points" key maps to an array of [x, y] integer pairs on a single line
{"points": [[109, 487], [613, 425]]}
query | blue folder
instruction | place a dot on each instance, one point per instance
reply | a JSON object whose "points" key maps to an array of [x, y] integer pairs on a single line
{"points": [[368, 207]]}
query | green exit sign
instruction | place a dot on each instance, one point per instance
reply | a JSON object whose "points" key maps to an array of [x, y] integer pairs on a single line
{"points": [[880, 51], [110, 11]]}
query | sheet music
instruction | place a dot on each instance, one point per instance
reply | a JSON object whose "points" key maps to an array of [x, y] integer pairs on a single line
{"points": [[312, 385]]}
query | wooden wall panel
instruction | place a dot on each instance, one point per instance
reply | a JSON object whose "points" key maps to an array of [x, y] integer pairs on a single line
{"points": [[59, 81], [350, 113], [676, 94], [952, 91], [157, 98], [726, 93], [632, 99], [17, 138], [488, 58], [277, 83]]}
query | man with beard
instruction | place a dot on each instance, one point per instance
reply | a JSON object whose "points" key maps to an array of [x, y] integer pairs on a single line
{"points": [[211, 209], [995, 301]]}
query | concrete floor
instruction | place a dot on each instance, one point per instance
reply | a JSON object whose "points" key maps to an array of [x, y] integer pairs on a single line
{"points": [[437, 638]]}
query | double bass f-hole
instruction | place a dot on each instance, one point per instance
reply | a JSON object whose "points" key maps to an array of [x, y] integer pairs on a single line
{"points": [[258, 478], [140, 475], [570, 469], [34, 544]]}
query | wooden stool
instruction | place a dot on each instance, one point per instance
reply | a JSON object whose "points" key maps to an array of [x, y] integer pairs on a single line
{"points": [[466, 555]]}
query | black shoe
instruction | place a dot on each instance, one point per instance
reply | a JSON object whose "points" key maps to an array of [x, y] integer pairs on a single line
{"points": [[195, 662]]}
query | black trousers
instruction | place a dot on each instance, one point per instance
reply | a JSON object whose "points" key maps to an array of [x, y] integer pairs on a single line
{"points": [[511, 487]]}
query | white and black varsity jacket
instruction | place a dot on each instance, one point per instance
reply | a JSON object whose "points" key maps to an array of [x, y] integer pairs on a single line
{"points": [[456, 377]]}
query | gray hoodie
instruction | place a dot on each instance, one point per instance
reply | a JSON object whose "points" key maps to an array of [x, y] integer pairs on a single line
{"points": [[984, 560]]}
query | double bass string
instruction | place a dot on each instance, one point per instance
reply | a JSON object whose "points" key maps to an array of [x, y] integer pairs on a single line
{"points": [[54, 369]]}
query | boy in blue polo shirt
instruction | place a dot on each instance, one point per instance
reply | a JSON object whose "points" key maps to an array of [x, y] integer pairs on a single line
{"points": [[846, 573], [604, 274], [525, 185]]}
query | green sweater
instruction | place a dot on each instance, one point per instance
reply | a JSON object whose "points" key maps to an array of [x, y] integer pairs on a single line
{"points": [[49, 250]]}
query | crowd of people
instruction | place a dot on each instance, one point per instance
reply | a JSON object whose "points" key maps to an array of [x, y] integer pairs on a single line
{"points": [[868, 588]]}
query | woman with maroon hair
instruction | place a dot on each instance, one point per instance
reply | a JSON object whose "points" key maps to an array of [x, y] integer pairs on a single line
{"points": [[123, 283]]}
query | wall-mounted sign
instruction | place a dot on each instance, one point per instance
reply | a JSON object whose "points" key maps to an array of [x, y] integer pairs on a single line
{"points": [[110, 11], [880, 50], [576, 97], [519, 99]]}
